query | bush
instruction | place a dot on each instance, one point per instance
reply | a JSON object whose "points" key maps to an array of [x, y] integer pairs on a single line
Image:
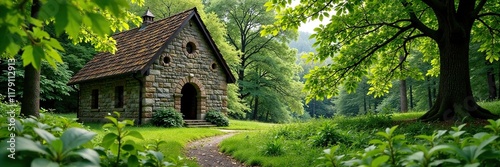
{"points": [[167, 118], [273, 148], [454, 147], [217, 118], [34, 142], [328, 135]]}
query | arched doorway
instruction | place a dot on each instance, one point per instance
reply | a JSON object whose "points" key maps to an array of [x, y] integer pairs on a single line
{"points": [[189, 101]]}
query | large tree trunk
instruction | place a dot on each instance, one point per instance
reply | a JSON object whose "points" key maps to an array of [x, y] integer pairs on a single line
{"points": [[402, 96], [454, 100], [31, 94]]}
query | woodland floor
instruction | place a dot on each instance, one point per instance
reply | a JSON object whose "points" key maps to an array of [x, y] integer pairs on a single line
{"points": [[207, 154]]}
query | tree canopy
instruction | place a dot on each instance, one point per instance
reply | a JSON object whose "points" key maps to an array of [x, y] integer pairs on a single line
{"points": [[366, 38], [23, 25], [267, 73]]}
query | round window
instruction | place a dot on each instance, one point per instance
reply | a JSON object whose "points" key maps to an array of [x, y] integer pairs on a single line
{"points": [[214, 66], [190, 47], [166, 60]]}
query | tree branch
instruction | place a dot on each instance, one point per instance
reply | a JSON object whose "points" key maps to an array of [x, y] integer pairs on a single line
{"points": [[435, 5], [478, 8], [489, 14], [368, 53]]}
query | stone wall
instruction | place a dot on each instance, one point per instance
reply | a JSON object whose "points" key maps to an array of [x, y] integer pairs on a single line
{"points": [[106, 100], [162, 87], [199, 68]]}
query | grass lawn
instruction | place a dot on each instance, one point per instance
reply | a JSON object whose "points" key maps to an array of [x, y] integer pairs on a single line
{"points": [[296, 143], [177, 138], [248, 125]]}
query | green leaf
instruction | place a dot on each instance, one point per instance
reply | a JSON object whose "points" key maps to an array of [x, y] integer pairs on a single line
{"points": [[88, 154], [133, 161], [40, 162], [68, 18], [55, 44], [74, 137], [128, 147], [32, 55], [23, 144], [108, 140], [439, 162], [135, 134], [379, 160], [112, 119], [48, 10], [44, 135], [57, 145], [156, 154], [98, 23]]}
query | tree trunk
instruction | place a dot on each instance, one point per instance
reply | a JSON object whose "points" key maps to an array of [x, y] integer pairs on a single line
{"points": [[364, 104], [491, 84], [498, 81], [454, 100], [31, 94], [429, 92], [411, 96], [256, 107], [402, 96]]}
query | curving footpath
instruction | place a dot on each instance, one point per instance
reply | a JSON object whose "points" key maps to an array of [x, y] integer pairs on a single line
{"points": [[206, 152]]}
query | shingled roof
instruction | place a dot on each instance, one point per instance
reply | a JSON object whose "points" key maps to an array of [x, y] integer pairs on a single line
{"points": [[138, 48]]}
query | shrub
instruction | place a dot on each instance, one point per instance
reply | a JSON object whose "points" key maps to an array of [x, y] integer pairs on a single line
{"points": [[167, 118], [273, 148], [217, 118], [455, 147], [328, 135], [34, 142]]}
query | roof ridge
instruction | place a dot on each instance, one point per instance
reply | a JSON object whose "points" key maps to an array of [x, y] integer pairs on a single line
{"points": [[183, 12]]}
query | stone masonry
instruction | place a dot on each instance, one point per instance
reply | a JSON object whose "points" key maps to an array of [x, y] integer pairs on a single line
{"points": [[162, 87]]}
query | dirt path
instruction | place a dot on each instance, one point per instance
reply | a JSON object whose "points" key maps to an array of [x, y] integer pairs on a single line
{"points": [[206, 152]]}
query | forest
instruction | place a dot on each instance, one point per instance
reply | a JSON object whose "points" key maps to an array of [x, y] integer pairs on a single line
{"points": [[375, 84]]}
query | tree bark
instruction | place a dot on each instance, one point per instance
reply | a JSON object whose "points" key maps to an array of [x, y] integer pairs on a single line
{"points": [[411, 96], [429, 92], [256, 106], [402, 96], [454, 100], [31, 94], [491, 84]]}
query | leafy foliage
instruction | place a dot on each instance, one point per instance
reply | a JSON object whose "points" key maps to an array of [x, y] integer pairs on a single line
{"points": [[217, 118], [80, 22], [56, 141], [273, 148], [328, 135], [267, 73], [167, 117], [448, 148]]}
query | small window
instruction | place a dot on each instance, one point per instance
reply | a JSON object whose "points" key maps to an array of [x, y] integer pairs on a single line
{"points": [[166, 60], [190, 47], [214, 66], [95, 99], [119, 97]]}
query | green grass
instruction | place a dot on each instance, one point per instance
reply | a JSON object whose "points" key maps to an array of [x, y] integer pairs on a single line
{"points": [[297, 140], [176, 138], [407, 115], [493, 106], [247, 125]]}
